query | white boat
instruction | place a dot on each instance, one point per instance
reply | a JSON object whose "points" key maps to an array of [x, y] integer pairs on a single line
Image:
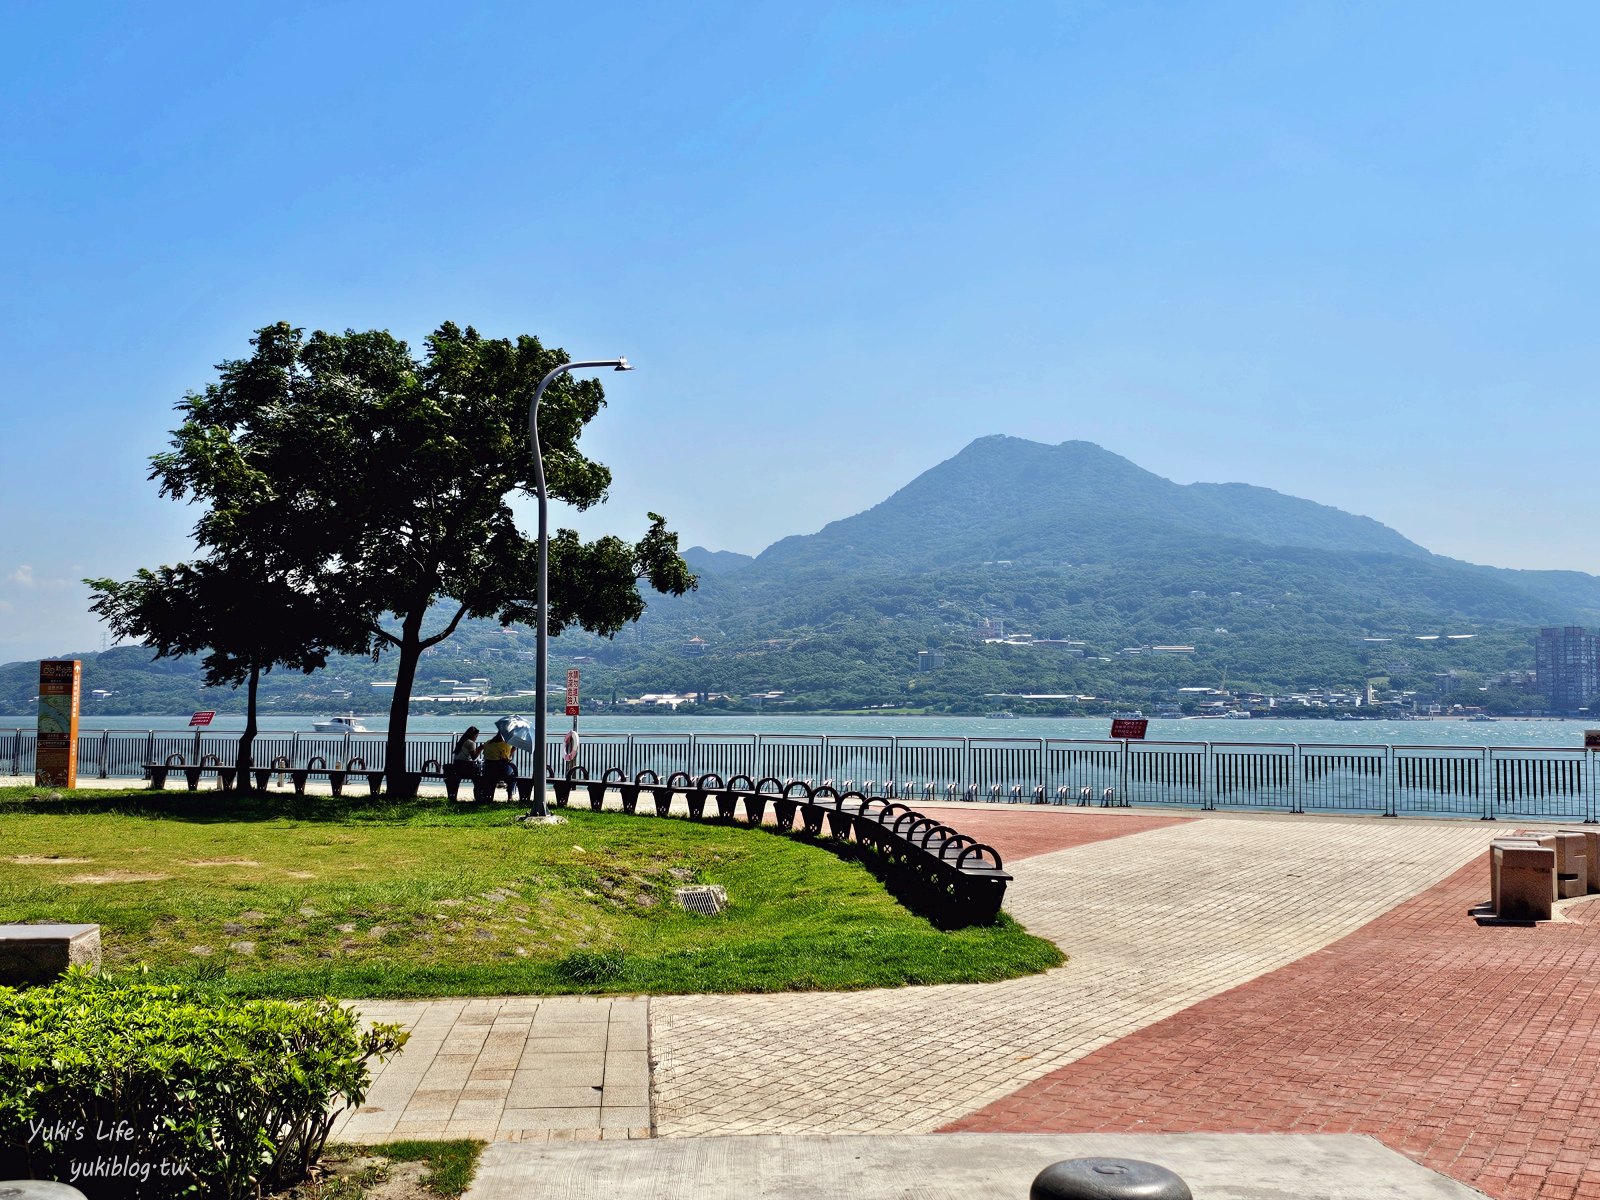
{"points": [[1133, 714], [1001, 716], [349, 723], [1237, 714]]}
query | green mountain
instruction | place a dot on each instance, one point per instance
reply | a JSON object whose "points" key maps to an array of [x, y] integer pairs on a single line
{"points": [[1007, 498], [1094, 557]]}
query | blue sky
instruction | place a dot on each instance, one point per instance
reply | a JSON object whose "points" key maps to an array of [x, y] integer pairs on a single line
{"points": [[1343, 250]]}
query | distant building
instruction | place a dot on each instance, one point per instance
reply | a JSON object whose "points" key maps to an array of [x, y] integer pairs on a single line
{"points": [[1171, 649], [694, 646], [1568, 666], [930, 660]]}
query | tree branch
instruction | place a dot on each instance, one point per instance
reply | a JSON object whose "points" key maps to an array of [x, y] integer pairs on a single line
{"points": [[447, 630]]}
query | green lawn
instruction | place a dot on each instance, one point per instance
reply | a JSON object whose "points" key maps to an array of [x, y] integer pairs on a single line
{"points": [[301, 896]]}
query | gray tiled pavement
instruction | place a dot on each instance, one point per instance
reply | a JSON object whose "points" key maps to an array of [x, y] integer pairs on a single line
{"points": [[510, 1069], [959, 1166]]}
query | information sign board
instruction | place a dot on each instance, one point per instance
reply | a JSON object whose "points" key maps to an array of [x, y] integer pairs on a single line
{"points": [[1128, 728], [202, 718], [56, 762], [1591, 739], [572, 692]]}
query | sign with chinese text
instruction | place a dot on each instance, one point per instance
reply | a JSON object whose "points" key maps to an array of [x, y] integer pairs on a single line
{"points": [[572, 692], [56, 764], [202, 718], [1591, 739], [1127, 727]]}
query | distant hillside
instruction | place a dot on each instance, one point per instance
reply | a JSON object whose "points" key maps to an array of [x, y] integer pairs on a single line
{"points": [[715, 562], [1096, 558]]}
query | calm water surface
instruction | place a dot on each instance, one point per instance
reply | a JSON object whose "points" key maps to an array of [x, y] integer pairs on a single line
{"points": [[1437, 732]]}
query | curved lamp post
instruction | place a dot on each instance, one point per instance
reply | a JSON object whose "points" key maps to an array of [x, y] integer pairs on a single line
{"points": [[542, 646]]}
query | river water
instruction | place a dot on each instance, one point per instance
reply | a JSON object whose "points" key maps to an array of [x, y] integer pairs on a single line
{"points": [[1434, 732]]}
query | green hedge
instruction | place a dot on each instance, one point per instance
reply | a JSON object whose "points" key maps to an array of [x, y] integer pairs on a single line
{"points": [[134, 1090]]}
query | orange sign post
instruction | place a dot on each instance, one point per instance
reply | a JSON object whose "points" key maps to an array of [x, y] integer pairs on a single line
{"points": [[56, 761]]}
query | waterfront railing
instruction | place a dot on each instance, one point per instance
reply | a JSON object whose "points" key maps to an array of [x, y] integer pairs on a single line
{"points": [[1486, 782]]}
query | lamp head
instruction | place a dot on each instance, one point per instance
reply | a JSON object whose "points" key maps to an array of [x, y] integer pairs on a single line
{"points": [[622, 365]]}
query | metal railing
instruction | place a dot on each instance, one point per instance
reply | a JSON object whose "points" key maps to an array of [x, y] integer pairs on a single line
{"points": [[1520, 783]]}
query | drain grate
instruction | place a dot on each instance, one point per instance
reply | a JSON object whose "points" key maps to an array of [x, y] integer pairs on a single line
{"points": [[707, 899]]}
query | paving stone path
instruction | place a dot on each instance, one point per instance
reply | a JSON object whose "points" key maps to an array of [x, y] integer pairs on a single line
{"points": [[1154, 922], [512, 1069], [1470, 1050]]}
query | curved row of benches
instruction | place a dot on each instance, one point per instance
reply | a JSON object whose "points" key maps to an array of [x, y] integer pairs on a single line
{"points": [[339, 774], [952, 879]]}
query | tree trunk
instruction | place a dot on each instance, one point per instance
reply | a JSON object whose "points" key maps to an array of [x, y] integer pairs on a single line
{"points": [[242, 759], [398, 779]]}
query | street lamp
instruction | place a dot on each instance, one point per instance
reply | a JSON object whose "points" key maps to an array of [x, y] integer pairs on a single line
{"points": [[542, 646]]}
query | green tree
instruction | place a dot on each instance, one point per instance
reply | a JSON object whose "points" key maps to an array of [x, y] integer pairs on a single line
{"points": [[241, 621], [376, 483]]}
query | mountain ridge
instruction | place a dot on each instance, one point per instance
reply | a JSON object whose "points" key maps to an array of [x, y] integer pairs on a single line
{"points": [[1072, 544], [1025, 490]]}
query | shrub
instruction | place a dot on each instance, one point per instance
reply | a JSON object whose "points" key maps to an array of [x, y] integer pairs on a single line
{"points": [[134, 1090]]}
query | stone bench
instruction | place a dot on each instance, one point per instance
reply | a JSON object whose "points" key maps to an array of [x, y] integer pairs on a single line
{"points": [[1522, 879], [31, 954], [1531, 870]]}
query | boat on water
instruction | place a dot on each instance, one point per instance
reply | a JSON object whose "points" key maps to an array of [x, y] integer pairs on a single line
{"points": [[1132, 714], [1001, 716], [349, 723], [1237, 714], [1480, 717]]}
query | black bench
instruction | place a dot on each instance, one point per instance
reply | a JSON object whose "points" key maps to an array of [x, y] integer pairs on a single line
{"points": [[157, 773]]}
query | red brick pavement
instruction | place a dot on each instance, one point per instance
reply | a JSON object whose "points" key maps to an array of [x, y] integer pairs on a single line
{"points": [[1474, 1050], [1019, 833]]}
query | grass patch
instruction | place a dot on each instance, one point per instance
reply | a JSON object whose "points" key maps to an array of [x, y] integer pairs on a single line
{"points": [[296, 896], [355, 1172], [450, 1164]]}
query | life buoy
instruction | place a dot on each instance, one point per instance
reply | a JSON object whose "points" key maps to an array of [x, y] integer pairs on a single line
{"points": [[570, 745]]}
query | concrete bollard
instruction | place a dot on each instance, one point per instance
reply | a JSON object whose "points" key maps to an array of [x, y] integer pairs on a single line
{"points": [[1107, 1179]]}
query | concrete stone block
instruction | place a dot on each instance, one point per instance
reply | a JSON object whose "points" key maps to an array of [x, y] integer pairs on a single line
{"points": [[34, 954], [1570, 854], [1527, 876], [1494, 863], [1591, 856]]}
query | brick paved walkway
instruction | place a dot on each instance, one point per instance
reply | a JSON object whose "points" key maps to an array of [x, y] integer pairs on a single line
{"points": [[1154, 922], [1022, 833], [1471, 1050]]}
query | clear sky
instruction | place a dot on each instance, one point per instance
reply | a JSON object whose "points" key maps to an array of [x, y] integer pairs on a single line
{"points": [[1345, 250]]}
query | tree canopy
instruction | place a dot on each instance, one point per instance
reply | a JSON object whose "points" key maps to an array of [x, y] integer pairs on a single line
{"points": [[242, 623], [374, 483]]}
